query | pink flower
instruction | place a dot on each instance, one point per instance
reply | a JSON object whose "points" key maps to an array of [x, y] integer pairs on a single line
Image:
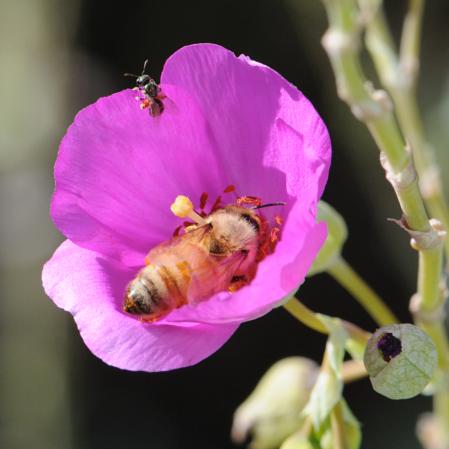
{"points": [[227, 121]]}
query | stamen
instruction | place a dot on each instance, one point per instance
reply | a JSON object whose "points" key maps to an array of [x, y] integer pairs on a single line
{"points": [[203, 200], [229, 189], [183, 207]]}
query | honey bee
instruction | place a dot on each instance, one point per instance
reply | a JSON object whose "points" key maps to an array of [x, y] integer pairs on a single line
{"points": [[153, 95], [218, 253]]}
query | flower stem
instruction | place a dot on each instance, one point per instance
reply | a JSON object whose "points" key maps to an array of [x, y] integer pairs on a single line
{"points": [[307, 317], [373, 107], [353, 370], [398, 75], [338, 428], [355, 285], [375, 110]]}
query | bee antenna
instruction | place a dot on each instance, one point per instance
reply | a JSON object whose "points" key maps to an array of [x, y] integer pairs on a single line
{"points": [[280, 203], [145, 66], [131, 74]]}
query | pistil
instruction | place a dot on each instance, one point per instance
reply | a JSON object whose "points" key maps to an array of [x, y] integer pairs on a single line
{"points": [[183, 208]]}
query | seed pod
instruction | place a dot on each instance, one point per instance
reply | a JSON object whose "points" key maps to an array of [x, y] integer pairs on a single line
{"points": [[400, 360]]}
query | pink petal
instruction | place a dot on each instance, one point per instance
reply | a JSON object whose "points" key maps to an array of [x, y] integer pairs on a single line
{"points": [[242, 101], [91, 286], [118, 171]]}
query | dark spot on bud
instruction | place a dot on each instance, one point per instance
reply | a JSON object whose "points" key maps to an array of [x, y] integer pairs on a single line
{"points": [[389, 346]]}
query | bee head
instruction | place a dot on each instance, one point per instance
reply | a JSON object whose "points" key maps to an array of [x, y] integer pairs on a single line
{"points": [[236, 227], [142, 80]]}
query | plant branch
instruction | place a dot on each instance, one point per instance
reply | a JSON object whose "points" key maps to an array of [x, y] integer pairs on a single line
{"points": [[353, 370], [398, 74], [307, 317], [362, 292], [399, 77], [338, 428]]}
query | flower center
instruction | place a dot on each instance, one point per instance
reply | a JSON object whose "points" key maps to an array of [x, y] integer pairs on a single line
{"points": [[244, 209], [216, 251]]}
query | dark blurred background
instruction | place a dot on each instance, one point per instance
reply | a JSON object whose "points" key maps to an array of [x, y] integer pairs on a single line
{"points": [[58, 57]]}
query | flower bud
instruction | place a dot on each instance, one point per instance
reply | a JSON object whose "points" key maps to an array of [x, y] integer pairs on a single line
{"points": [[337, 233], [272, 412], [400, 360]]}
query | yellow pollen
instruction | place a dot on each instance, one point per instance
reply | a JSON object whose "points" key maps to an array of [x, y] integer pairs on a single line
{"points": [[183, 208]]}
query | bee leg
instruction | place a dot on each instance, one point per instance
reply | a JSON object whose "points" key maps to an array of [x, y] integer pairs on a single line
{"points": [[156, 107], [145, 103], [153, 317], [237, 282]]}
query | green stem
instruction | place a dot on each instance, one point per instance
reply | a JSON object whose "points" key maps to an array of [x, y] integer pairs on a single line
{"points": [[355, 285], [353, 370], [338, 428], [429, 275], [428, 305], [307, 317], [372, 107], [441, 407], [411, 39], [398, 75]]}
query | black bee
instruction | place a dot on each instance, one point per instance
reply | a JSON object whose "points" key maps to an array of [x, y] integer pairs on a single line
{"points": [[153, 95]]}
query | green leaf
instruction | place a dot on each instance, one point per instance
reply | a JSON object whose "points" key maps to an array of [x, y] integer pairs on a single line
{"points": [[329, 386], [335, 346], [325, 394], [400, 360]]}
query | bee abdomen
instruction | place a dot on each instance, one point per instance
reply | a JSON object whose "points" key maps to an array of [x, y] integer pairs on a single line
{"points": [[142, 297], [146, 293]]}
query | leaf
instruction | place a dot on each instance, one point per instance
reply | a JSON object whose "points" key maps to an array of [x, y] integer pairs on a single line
{"points": [[329, 386], [335, 346]]}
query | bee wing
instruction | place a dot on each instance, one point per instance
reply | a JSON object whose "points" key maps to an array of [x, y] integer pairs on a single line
{"points": [[212, 274], [196, 236], [199, 273]]}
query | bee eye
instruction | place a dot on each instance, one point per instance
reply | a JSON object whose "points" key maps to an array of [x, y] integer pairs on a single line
{"points": [[142, 80], [251, 221]]}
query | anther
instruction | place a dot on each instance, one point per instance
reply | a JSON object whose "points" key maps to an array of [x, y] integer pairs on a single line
{"points": [[183, 207]]}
